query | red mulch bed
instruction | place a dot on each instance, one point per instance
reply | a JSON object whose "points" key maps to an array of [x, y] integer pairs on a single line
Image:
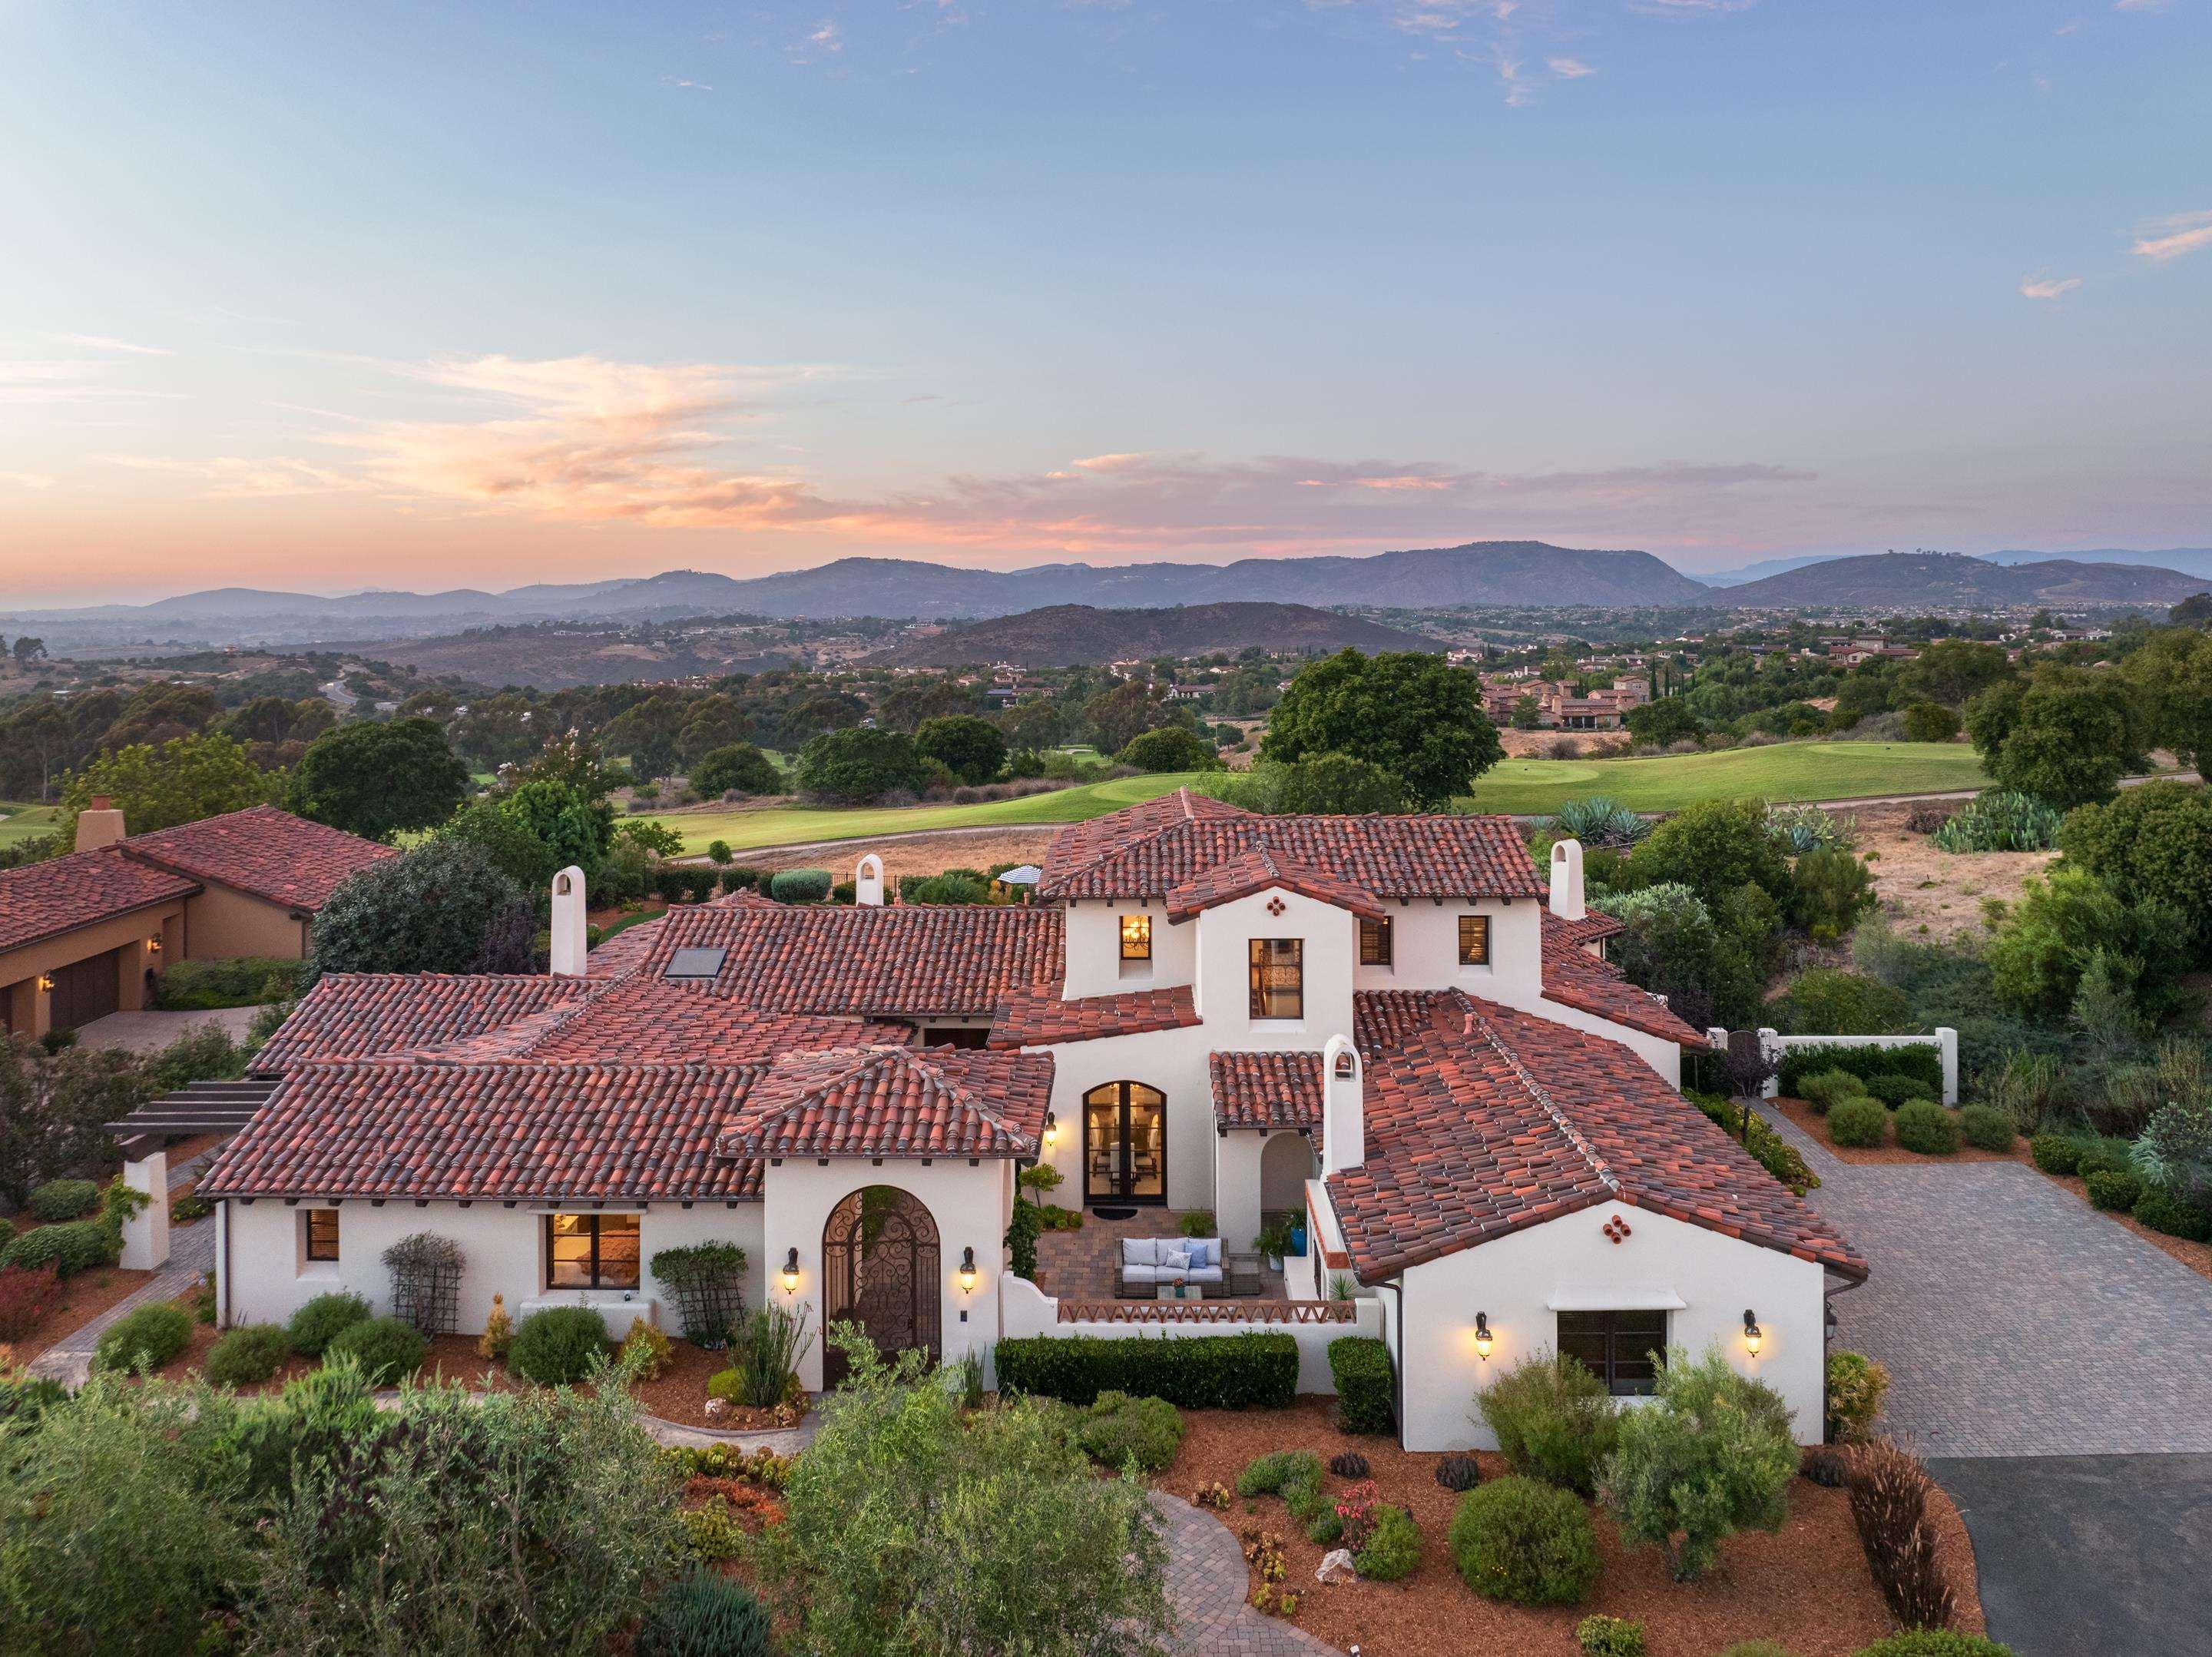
{"points": [[1807, 1588], [81, 1298]]}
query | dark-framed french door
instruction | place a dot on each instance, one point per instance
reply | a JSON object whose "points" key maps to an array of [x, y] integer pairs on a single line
{"points": [[1125, 1144]]}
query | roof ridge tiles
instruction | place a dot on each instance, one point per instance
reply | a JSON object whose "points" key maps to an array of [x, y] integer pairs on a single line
{"points": [[1536, 1090]]}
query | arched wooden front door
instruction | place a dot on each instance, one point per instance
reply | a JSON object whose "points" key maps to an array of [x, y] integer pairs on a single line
{"points": [[879, 1271]]}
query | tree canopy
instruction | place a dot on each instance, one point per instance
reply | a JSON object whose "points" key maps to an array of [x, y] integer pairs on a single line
{"points": [[1411, 713], [374, 779], [972, 749], [736, 768], [442, 907], [186, 779], [853, 766], [2066, 735], [1171, 749]]}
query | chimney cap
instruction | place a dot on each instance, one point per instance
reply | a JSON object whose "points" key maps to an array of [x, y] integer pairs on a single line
{"points": [[99, 803]]}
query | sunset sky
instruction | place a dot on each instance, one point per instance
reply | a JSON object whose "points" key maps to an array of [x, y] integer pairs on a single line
{"points": [[321, 297]]}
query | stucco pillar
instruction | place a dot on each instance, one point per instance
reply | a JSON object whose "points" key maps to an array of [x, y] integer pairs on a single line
{"points": [[146, 1233]]}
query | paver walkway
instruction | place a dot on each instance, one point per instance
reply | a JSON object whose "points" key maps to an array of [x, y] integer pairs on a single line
{"points": [[191, 1256], [2013, 1318], [151, 1030], [1205, 1584]]}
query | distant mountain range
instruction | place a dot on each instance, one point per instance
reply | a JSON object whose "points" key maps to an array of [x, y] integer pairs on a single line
{"points": [[1906, 580], [1067, 634]]}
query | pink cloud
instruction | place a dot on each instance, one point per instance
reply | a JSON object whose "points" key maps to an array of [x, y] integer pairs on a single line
{"points": [[2040, 286], [2185, 233]]}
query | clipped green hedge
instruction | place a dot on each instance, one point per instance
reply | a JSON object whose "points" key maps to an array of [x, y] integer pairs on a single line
{"points": [[1926, 1127], [1198, 1372], [1859, 1122], [320, 1321], [1935, 1642], [2054, 1153], [2162, 1211], [1987, 1128], [2114, 1188], [799, 886], [247, 1355], [1923, 1062], [247, 981], [557, 1345], [150, 1336], [60, 1200], [78, 1246], [1361, 1368], [387, 1350]]}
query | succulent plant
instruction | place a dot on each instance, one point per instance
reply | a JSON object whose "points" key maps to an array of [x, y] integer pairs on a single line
{"points": [[1825, 1464], [1459, 1472], [1348, 1464]]}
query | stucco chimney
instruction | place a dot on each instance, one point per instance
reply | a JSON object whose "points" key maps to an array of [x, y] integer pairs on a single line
{"points": [[1567, 880], [98, 824], [1344, 1107], [571, 944], [868, 882]]}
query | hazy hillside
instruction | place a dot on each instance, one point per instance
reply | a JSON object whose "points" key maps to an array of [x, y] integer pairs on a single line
{"points": [[557, 661], [1911, 581], [1067, 634]]}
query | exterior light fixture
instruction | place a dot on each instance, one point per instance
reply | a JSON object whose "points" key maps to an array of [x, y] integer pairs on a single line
{"points": [[153, 946], [791, 1272], [1051, 1130], [46, 981], [1482, 1336], [968, 1271], [1753, 1335]]}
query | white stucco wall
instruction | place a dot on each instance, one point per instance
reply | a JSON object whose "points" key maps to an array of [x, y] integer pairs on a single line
{"points": [[970, 1202], [1171, 1061], [1223, 980], [266, 1277], [1518, 1280], [1424, 950], [1095, 966]]}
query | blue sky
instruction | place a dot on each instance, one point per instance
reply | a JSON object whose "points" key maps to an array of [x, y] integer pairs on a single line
{"points": [[331, 297]]}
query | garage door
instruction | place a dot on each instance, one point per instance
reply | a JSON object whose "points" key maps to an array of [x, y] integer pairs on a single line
{"points": [[84, 991]]}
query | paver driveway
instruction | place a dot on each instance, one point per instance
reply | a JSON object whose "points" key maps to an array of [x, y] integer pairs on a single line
{"points": [[2014, 1319]]}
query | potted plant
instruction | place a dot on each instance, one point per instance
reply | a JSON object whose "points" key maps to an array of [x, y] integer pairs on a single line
{"points": [[1274, 1241], [1297, 1235]]}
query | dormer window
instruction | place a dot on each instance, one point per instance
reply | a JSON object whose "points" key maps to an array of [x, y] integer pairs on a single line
{"points": [[1475, 941], [1375, 942], [1279, 978], [1136, 937]]}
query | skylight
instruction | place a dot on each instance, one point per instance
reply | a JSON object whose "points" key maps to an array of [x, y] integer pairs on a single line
{"points": [[695, 963]]}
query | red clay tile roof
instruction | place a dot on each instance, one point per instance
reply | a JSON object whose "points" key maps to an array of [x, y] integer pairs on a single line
{"points": [[875, 962], [350, 1016], [643, 1021], [1575, 978], [1266, 1090], [1148, 850], [1258, 869], [1384, 1019], [1516, 1120], [1594, 925], [1038, 1019], [269, 853], [623, 953], [61, 893], [896, 1101], [517, 1132]]}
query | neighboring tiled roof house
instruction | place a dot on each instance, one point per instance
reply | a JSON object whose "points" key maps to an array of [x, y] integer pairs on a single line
{"points": [[511, 1132], [1515, 1120], [268, 853], [1038, 1019], [354, 1015], [896, 1101], [1266, 1090], [900, 962], [1183, 836], [40, 900]]}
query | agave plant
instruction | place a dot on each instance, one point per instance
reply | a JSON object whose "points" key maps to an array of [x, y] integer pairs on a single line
{"points": [[1808, 828], [1599, 821], [2001, 819]]}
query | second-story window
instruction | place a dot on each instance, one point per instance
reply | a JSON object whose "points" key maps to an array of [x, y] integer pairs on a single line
{"points": [[1375, 942], [1279, 977], [1136, 937], [1475, 941]]}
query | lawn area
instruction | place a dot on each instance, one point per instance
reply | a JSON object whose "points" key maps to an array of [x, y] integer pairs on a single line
{"points": [[22, 822], [1791, 771], [1786, 771]]}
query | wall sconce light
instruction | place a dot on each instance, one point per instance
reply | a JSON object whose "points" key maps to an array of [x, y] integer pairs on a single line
{"points": [[1753, 1336], [791, 1272], [153, 946], [968, 1271], [1051, 1130], [46, 981], [1482, 1336]]}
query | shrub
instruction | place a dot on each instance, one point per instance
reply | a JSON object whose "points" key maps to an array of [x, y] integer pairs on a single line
{"points": [[1349, 1463], [1554, 1420], [704, 1615], [1609, 1637], [644, 1350], [799, 886], [2114, 1188], [2101, 1156], [1517, 1539], [27, 1293], [1198, 1222], [1922, 1061], [188, 1207], [149, 1337], [1827, 1000], [1987, 1128], [1360, 1366], [1117, 1430], [1830, 1088], [1758, 1648], [2001, 819], [1266, 1475], [1856, 1387], [1858, 1122], [1710, 1455], [1393, 1547], [2163, 1211], [62, 1199], [315, 1325], [765, 1351], [248, 1354], [1926, 1127], [1223, 1372], [245, 981], [498, 1335], [78, 1246], [1889, 1490], [1894, 1087], [556, 1347], [387, 1350], [1935, 1642], [2054, 1153], [1459, 1472]]}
